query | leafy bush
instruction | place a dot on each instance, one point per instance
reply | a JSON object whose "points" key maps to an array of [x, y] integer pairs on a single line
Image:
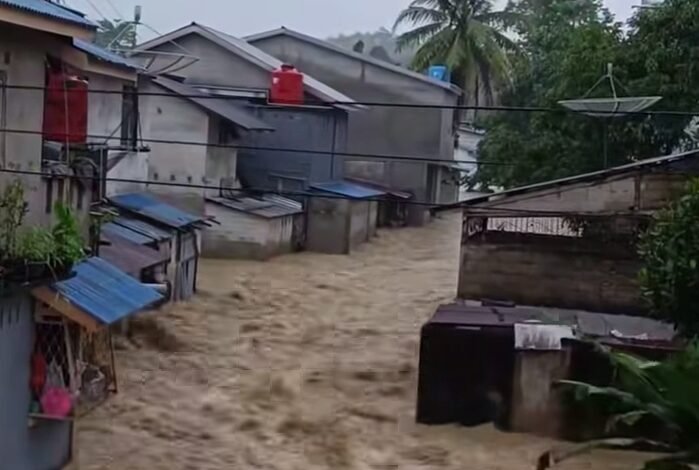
{"points": [[669, 250]]}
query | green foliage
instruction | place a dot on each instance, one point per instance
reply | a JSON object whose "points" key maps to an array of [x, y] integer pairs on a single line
{"points": [[663, 396], [12, 212], [117, 34], [565, 46], [37, 245], [465, 35], [669, 250], [66, 236]]}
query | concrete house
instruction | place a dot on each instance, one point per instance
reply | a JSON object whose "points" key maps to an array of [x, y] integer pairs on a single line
{"points": [[568, 243], [46, 332], [308, 141], [382, 130]]}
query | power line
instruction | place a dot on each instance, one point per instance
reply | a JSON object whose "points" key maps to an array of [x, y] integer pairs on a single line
{"points": [[385, 104], [357, 155], [243, 191]]}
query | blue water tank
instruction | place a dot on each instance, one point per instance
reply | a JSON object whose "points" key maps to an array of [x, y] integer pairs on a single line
{"points": [[439, 72]]}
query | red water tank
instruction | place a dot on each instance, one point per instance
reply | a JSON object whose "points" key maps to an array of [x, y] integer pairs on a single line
{"points": [[65, 108], [287, 86]]}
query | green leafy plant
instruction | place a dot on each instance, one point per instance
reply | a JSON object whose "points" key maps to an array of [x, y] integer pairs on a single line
{"points": [[669, 250], [12, 212], [37, 245], [66, 236], [658, 397]]}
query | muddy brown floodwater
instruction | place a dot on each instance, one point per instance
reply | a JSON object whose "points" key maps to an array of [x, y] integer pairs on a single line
{"points": [[304, 362]]}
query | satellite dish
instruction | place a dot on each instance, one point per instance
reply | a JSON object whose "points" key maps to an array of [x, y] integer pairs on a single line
{"points": [[609, 107]]}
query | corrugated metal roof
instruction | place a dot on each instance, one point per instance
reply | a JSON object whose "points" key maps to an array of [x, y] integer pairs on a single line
{"points": [[151, 208], [128, 256], [115, 230], [381, 187], [250, 53], [262, 207], [599, 325], [593, 176], [141, 228], [355, 55], [105, 292], [52, 10], [348, 189], [105, 55], [221, 107]]}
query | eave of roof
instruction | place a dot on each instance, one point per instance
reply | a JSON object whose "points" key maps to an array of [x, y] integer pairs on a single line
{"points": [[51, 10], [362, 57]]}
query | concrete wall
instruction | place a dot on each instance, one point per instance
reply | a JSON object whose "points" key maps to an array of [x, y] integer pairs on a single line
{"points": [[133, 166], [216, 65], [328, 225], [104, 113], [24, 61], [297, 128], [46, 444], [245, 236], [425, 133], [221, 162], [359, 223], [551, 271], [166, 119]]}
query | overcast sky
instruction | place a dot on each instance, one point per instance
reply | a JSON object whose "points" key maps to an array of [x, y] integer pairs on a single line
{"points": [[321, 18]]}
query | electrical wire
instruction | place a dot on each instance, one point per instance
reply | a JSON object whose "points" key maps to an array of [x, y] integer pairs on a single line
{"points": [[356, 155], [242, 191], [384, 104]]}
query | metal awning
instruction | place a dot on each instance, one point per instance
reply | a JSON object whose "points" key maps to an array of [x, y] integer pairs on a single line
{"points": [[97, 295], [153, 209]]}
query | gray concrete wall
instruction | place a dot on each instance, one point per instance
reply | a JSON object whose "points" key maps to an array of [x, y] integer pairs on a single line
{"points": [[551, 271], [104, 111], [47, 444], [221, 162], [134, 166], [425, 133], [300, 129], [359, 223], [166, 119], [245, 236], [216, 66], [328, 225]]}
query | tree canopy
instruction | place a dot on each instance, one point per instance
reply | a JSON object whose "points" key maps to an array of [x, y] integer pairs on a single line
{"points": [[116, 34], [465, 35], [565, 47]]}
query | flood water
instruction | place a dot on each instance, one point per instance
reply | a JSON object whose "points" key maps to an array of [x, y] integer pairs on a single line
{"points": [[304, 362]]}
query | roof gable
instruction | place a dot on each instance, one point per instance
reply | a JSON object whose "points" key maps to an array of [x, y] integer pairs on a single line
{"points": [[354, 55], [249, 53]]}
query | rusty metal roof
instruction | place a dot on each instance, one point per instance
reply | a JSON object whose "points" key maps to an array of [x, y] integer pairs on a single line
{"points": [[128, 256], [591, 324]]}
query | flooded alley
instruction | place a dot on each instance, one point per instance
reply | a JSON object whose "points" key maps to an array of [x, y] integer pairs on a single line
{"points": [[304, 362]]}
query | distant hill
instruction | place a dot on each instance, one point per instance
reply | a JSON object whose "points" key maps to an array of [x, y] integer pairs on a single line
{"points": [[380, 44]]}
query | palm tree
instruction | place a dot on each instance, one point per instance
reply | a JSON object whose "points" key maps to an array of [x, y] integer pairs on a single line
{"points": [[465, 35]]}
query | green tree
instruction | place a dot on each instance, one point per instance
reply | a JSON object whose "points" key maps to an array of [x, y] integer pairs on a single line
{"points": [[465, 35], [116, 34], [566, 45], [669, 250]]}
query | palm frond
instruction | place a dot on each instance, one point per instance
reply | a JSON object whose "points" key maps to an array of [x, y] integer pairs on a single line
{"points": [[417, 36], [418, 15]]}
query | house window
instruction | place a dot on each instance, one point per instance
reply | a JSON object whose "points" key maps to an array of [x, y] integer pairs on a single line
{"points": [[129, 117]]}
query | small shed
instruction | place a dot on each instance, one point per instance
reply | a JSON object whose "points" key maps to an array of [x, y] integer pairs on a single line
{"points": [[341, 216], [528, 349], [252, 227], [184, 230], [393, 209], [58, 344], [139, 261]]}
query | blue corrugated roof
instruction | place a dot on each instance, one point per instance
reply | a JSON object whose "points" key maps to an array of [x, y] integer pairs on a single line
{"points": [[104, 292], [144, 229], [121, 231], [153, 209], [104, 55], [52, 10], [348, 189]]}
